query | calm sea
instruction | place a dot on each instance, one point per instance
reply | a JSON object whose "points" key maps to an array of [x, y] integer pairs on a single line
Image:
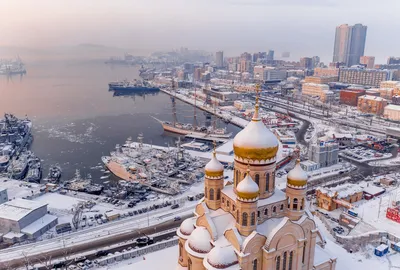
{"points": [[77, 120]]}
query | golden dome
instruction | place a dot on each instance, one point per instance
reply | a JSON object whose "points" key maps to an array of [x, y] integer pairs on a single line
{"points": [[247, 188], [214, 168], [255, 141], [297, 177]]}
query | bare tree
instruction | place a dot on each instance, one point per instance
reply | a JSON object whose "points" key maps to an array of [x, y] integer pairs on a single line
{"points": [[27, 262], [46, 261]]}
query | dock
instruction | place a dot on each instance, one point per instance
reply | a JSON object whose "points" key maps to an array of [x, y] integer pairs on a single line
{"points": [[237, 121], [206, 138]]}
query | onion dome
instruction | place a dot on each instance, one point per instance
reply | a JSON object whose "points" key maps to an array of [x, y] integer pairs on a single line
{"points": [[222, 257], [200, 240], [255, 141], [214, 168], [247, 188], [297, 177], [187, 226]]}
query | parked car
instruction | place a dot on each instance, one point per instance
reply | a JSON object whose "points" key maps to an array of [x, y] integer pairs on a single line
{"points": [[175, 206]]}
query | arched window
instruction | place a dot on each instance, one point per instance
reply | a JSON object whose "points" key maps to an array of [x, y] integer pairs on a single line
{"points": [[273, 178], [233, 207], [257, 179], [281, 207], [189, 264], [211, 194], [274, 209], [266, 212], [253, 219], [267, 183], [180, 251], [288, 202], [237, 217], [205, 193], [228, 203], [302, 204], [223, 200], [304, 253], [284, 260], [255, 262], [290, 260], [218, 194], [295, 202], [278, 263], [258, 214], [244, 219]]}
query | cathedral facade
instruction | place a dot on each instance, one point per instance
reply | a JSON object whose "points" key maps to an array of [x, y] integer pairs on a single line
{"points": [[246, 223]]}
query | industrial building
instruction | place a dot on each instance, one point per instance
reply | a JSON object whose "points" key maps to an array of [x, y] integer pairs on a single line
{"points": [[321, 80], [3, 195], [269, 74], [23, 219], [325, 154], [362, 76], [343, 195], [350, 96], [320, 90], [371, 104], [392, 112]]}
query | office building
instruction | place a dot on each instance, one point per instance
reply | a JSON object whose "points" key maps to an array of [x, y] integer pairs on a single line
{"points": [[245, 56], [24, 219], [321, 72], [321, 80], [371, 104], [249, 223], [392, 112], [317, 90], [393, 60], [264, 73], [315, 61], [270, 55], [245, 65], [362, 76], [350, 96], [219, 59], [325, 154], [390, 84], [306, 62], [197, 74], [3, 195], [349, 43], [367, 61]]}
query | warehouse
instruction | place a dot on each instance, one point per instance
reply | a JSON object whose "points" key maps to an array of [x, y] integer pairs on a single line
{"points": [[21, 216]]}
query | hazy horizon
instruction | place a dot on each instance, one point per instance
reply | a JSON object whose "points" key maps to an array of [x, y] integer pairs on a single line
{"points": [[304, 28]]}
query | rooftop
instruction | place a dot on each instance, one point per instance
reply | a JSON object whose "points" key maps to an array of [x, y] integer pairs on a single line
{"points": [[372, 98], [18, 208], [393, 107], [38, 224]]}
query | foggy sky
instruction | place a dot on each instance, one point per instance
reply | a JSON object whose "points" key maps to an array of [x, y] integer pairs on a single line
{"points": [[303, 27]]}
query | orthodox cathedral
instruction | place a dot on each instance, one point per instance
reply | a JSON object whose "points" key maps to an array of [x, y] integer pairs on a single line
{"points": [[247, 223]]}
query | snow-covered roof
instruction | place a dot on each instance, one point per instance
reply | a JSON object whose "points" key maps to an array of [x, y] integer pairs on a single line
{"points": [[255, 136], [321, 256], [373, 190], [39, 224], [381, 247], [343, 191], [247, 185], [278, 196], [200, 240], [187, 226], [268, 226], [214, 165], [392, 107], [222, 257], [228, 191], [18, 208], [372, 98]]}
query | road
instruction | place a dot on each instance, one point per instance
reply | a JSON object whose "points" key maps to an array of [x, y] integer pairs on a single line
{"points": [[96, 237]]}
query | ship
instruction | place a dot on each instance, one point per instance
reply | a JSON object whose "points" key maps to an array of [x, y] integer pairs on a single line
{"points": [[18, 167], [135, 85], [34, 175], [54, 174], [12, 67]]}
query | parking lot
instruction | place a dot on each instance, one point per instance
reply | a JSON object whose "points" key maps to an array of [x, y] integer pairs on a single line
{"points": [[362, 154]]}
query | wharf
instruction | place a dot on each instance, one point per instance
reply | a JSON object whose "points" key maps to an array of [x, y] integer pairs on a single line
{"points": [[237, 121], [206, 137]]}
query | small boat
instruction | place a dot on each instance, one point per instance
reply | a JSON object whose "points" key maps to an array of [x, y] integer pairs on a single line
{"points": [[54, 174]]}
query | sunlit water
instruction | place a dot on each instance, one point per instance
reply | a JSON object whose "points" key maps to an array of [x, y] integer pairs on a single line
{"points": [[77, 120]]}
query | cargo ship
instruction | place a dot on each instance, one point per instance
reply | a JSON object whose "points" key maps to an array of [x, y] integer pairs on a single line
{"points": [[135, 85]]}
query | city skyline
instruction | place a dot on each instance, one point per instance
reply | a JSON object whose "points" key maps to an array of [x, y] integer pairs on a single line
{"points": [[154, 25]]}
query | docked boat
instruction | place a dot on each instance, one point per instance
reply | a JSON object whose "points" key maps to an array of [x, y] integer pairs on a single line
{"points": [[54, 174], [18, 167], [135, 85], [197, 146], [188, 129], [34, 175]]}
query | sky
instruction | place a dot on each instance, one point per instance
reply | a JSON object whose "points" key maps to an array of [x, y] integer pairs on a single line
{"points": [[303, 27]]}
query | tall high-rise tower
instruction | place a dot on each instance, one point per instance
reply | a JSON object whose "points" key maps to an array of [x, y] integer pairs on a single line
{"points": [[349, 43], [219, 58]]}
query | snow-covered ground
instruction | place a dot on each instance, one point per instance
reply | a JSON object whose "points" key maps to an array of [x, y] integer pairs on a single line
{"points": [[384, 163], [361, 154], [19, 189]]}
